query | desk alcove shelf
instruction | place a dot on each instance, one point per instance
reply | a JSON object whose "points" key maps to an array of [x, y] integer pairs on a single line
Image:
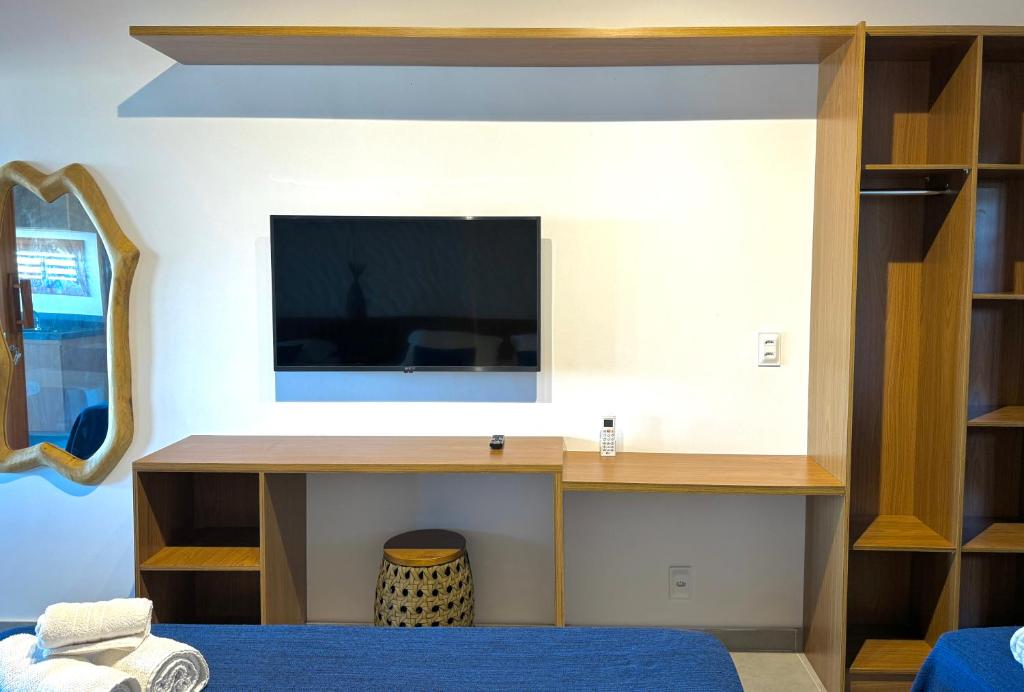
{"points": [[634, 472]]}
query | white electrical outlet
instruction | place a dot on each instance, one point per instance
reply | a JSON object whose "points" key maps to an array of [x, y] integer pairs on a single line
{"points": [[769, 350], [680, 582]]}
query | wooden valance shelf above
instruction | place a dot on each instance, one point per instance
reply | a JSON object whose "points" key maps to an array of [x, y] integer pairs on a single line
{"points": [[493, 47]]}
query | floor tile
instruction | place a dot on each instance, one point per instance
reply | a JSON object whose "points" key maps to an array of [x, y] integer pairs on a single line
{"points": [[773, 672]]}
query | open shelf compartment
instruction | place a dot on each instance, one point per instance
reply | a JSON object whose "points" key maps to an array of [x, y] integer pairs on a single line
{"points": [[919, 100], [892, 628], [994, 491], [995, 397], [1001, 137], [999, 237], [912, 311], [991, 590], [191, 597], [201, 521]]}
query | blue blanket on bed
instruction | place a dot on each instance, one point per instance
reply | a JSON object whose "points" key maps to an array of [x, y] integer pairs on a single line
{"points": [[978, 660], [325, 657]]}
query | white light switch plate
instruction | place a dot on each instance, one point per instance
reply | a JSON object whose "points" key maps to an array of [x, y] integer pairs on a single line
{"points": [[769, 350]]}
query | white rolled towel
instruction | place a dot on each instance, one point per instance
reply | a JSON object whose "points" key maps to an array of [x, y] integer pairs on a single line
{"points": [[85, 628], [1017, 645], [22, 669], [161, 665]]}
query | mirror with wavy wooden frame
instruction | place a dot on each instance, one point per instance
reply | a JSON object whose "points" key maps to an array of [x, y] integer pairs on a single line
{"points": [[41, 259]]}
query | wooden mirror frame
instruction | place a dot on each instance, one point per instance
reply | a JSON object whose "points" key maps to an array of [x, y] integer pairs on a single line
{"points": [[123, 256]]}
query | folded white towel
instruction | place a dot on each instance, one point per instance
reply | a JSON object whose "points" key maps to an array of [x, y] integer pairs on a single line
{"points": [[161, 665], [22, 669], [1017, 645], [84, 628]]}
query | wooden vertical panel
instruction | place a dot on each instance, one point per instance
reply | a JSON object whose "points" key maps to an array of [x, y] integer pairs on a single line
{"points": [[830, 388], [282, 548], [947, 301], [559, 543], [955, 100], [945, 339], [887, 357]]}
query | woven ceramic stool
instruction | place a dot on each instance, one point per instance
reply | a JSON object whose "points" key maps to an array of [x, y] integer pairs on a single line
{"points": [[424, 581]]}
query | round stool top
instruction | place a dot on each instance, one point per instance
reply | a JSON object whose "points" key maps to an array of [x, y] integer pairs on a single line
{"points": [[424, 548]]}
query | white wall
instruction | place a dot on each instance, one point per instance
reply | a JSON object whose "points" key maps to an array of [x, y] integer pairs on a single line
{"points": [[672, 244]]}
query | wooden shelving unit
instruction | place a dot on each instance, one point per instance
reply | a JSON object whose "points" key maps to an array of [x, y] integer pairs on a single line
{"points": [[209, 545], [916, 312]]}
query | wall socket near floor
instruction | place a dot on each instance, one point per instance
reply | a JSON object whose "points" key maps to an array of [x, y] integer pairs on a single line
{"points": [[769, 349], [680, 582]]}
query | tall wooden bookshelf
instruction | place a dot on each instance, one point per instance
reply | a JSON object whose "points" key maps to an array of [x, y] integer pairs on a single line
{"points": [[928, 294]]}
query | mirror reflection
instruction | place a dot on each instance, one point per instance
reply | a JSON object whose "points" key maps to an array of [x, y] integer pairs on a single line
{"points": [[57, 275]]}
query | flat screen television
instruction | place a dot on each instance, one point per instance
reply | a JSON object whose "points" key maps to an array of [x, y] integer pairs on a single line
{"points": [[406, 293]]}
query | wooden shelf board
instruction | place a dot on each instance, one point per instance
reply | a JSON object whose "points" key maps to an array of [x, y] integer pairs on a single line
{"points": [[1001, 170], [999, 296], [203, 559], [998, 538], [946, 30], [504, 47], [901, 532], [317, 454], [1005, 417], [914, 168], [698, 473], [891, 656]]}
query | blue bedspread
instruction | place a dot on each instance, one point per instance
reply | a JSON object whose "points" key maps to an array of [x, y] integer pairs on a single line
{"points": [[978, 660], [324, 657]]}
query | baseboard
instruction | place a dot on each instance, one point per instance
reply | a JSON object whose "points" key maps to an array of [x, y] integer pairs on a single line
{"points": [[782, 639]]}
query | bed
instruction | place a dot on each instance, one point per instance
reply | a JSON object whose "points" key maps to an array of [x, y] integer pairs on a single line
{"points": [[971, 659], [326, 657]]}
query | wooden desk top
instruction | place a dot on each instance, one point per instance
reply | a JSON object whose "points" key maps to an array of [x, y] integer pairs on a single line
{"points": [[748, 474], [627, 472], [295, 454]]}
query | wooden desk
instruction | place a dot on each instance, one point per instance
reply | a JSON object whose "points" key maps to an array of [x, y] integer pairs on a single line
{"points": [[220, 521]]}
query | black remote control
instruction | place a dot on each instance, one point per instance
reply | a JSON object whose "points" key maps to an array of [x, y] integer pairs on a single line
{"points": [[497, 442]]}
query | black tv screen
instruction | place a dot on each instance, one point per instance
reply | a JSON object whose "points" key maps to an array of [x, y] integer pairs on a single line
{"points": [[403, 293]]}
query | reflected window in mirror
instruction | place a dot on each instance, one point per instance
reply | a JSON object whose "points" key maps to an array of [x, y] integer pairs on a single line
{"points": [[59, 290]]}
